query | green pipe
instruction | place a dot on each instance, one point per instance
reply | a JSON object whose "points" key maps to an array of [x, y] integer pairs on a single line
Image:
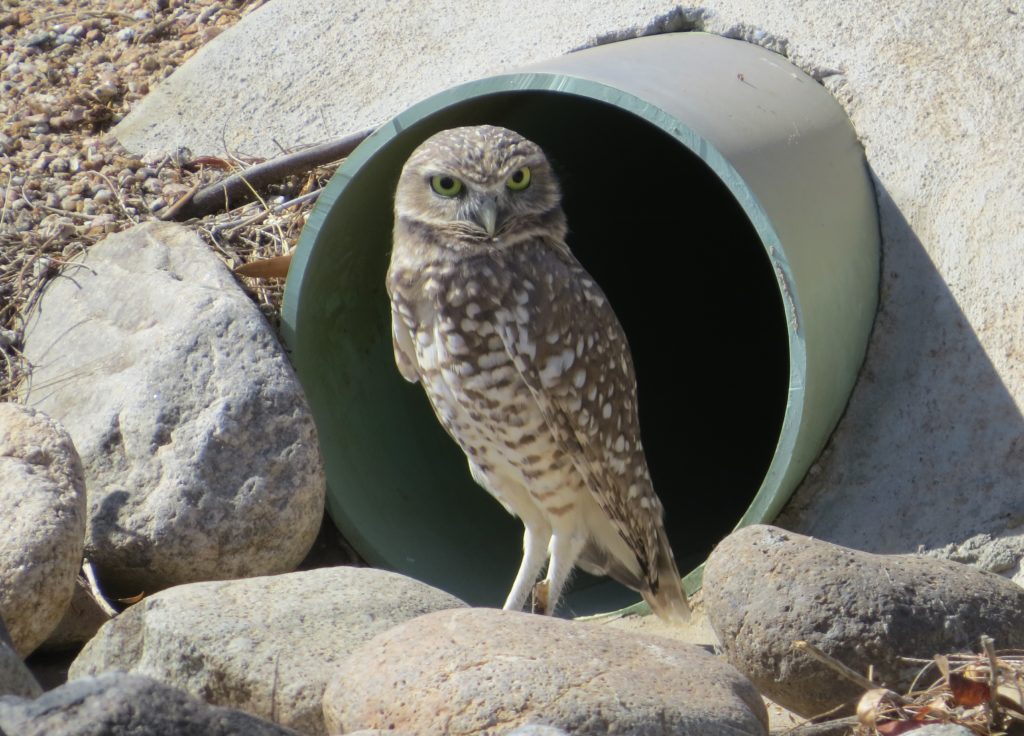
{"points": [[721, 198]]}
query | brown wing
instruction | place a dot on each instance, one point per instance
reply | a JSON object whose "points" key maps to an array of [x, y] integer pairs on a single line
{"points": [[569, 348]]}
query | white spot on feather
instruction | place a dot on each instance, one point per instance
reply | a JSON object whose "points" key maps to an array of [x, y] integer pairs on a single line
{"points": [[525, 345], [552, 371], [455, 343], [487, 361]]}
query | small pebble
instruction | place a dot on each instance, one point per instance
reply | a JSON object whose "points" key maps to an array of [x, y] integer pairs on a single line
{"points": [[36, 39], [105, 91]]}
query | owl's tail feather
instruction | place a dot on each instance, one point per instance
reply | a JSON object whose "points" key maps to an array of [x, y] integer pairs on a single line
{"points": [[666, 597]]}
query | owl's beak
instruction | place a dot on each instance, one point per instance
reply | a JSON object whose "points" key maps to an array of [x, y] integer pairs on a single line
{"points": [[487, 215]]}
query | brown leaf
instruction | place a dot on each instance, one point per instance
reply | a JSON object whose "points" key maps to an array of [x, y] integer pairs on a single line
{"points": [[214, 162], [267, 268], [132, 599], [967, 693]]}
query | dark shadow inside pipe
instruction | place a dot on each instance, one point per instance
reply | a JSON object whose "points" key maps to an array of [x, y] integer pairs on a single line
{"points": [[688, 277]]}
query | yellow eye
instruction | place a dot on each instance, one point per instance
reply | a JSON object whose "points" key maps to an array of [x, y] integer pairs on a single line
{"points": [[519, 180], [446, 186]]}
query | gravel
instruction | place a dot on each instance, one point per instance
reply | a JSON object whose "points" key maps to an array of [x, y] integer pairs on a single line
{"points": [[69, 71]]}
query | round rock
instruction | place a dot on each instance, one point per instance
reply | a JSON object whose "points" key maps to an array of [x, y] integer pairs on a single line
{"points": [[15, 677], [199, 450], [765, 588], [482, 670], [120, 703], [264, 645], [42, 494]]}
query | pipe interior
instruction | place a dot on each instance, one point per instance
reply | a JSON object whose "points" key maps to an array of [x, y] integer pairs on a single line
{"points": [[691, 282]]}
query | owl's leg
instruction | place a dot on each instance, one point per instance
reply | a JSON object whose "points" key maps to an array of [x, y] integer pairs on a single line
{"points": [[517, 501], [535, 543], [566, 547]]}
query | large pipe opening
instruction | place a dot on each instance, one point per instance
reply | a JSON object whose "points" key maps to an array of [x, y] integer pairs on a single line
{"points": [[697, 272]]}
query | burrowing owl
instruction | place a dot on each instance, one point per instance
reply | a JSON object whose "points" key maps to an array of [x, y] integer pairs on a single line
{"points": [[525, 363]]}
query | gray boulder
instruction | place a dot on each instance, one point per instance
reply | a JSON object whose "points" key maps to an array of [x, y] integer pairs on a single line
{"points": [[125, 705], [15, 678], [264, 645], [482, 670], [42, 494], [199, 450], [765, 588]]}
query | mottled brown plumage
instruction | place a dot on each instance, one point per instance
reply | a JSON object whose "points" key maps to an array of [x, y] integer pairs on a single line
{"points": [[525, 363]]}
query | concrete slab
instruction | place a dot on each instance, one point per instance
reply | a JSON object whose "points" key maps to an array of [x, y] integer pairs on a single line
{"points": [[930, 453]]}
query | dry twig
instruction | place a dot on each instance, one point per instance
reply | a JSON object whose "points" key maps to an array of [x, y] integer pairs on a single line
{"points": [[237, 188]]}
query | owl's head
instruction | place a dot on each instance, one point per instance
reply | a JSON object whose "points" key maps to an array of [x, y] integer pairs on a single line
{"points": [[479, 187]]}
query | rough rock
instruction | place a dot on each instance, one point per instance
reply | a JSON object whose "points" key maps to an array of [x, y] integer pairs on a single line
{"points": [[199, 450], [944, 729], [15, 678], [936, 414], [264, 645], [479, 669], [765, 588], [132, 705], [42, 493]]}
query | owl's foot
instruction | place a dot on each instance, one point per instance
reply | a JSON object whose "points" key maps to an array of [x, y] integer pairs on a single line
{"points": [[540, 598]]}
